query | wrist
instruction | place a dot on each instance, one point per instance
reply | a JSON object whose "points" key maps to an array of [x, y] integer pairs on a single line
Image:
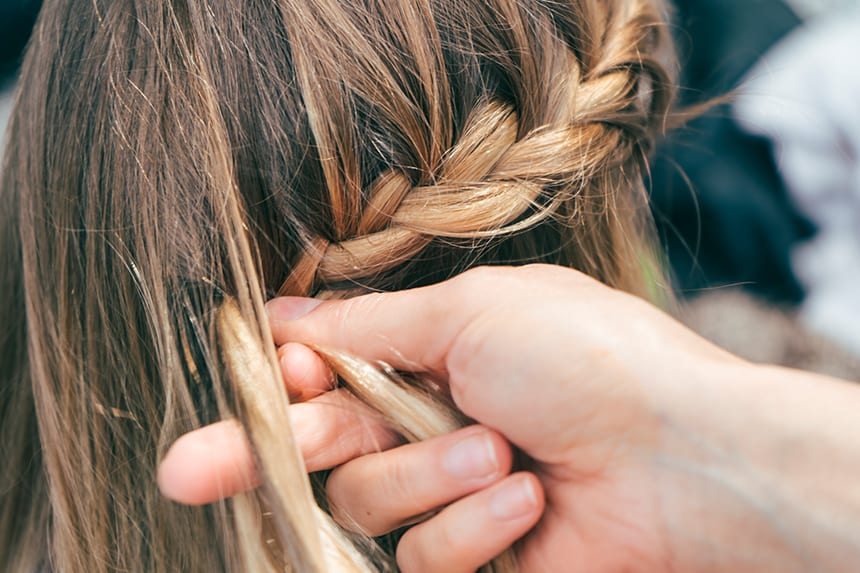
{"points": [[766, 463]]}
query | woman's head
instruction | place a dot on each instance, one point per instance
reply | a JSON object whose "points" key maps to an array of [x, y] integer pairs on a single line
{"points": [[166, 157]]}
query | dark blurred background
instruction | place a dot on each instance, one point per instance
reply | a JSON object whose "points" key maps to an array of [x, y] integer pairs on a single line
{"points": [[721, 208], [16, 22]]}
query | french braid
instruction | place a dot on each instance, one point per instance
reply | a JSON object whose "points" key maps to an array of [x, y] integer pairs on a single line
{"points": [[496, 180]]}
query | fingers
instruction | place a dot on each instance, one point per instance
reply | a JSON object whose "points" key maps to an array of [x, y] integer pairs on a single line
{"points": [[216, 461], [501, 338], [305, 374], [411, 330], [470, 532], [337, 427], [208, 464], [414, 329], [380, 492]]}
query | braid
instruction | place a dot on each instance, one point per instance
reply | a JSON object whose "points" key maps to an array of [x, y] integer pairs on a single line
{"points": [[496, 182]]}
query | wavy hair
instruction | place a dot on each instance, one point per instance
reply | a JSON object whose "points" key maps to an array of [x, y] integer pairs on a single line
{"points": [[172, 164]]}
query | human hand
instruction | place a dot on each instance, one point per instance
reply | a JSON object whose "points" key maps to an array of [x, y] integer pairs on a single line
{"points": [[559, 364], [331, 427], [634, 425]]}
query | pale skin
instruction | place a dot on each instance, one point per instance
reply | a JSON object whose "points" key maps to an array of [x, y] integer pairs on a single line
{"points": [[653, 449]]}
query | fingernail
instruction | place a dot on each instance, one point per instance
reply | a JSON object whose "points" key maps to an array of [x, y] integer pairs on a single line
{"points": [[290, 307], [472, 458], [514, 500]]}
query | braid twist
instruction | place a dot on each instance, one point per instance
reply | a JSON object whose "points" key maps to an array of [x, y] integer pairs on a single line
{"points": [[490, 184], [593, 106]]}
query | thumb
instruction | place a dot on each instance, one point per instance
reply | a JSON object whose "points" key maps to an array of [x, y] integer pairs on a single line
{"points": [[411, 330]]}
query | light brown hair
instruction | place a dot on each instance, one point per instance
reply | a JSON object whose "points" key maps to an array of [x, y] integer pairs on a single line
{"points": [[171, 164]]}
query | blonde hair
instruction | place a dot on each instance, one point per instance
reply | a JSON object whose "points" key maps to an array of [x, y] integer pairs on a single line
{"points": [[171, 164]]}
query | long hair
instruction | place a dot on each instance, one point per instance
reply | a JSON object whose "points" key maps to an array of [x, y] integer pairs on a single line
{"points": [[172, 164]]}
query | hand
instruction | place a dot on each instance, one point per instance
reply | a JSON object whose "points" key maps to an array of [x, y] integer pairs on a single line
{"points": [[651, 445], [332, 428], [575, 374]]}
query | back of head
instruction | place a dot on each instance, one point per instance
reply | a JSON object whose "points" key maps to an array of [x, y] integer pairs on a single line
{"points": [[167, 157]]}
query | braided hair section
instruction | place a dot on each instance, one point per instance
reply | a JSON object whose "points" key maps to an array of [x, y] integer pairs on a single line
{"points": [[591, 126]]}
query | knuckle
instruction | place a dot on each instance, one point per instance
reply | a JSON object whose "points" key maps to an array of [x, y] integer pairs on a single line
{"points": [[398, 484], [551, 274], [478, 276]]}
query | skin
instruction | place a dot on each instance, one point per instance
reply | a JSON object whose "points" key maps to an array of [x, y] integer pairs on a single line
{"points": [[650, 448]]}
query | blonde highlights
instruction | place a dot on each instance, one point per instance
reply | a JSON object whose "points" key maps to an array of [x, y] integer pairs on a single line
{"points": [[172, 164]]}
